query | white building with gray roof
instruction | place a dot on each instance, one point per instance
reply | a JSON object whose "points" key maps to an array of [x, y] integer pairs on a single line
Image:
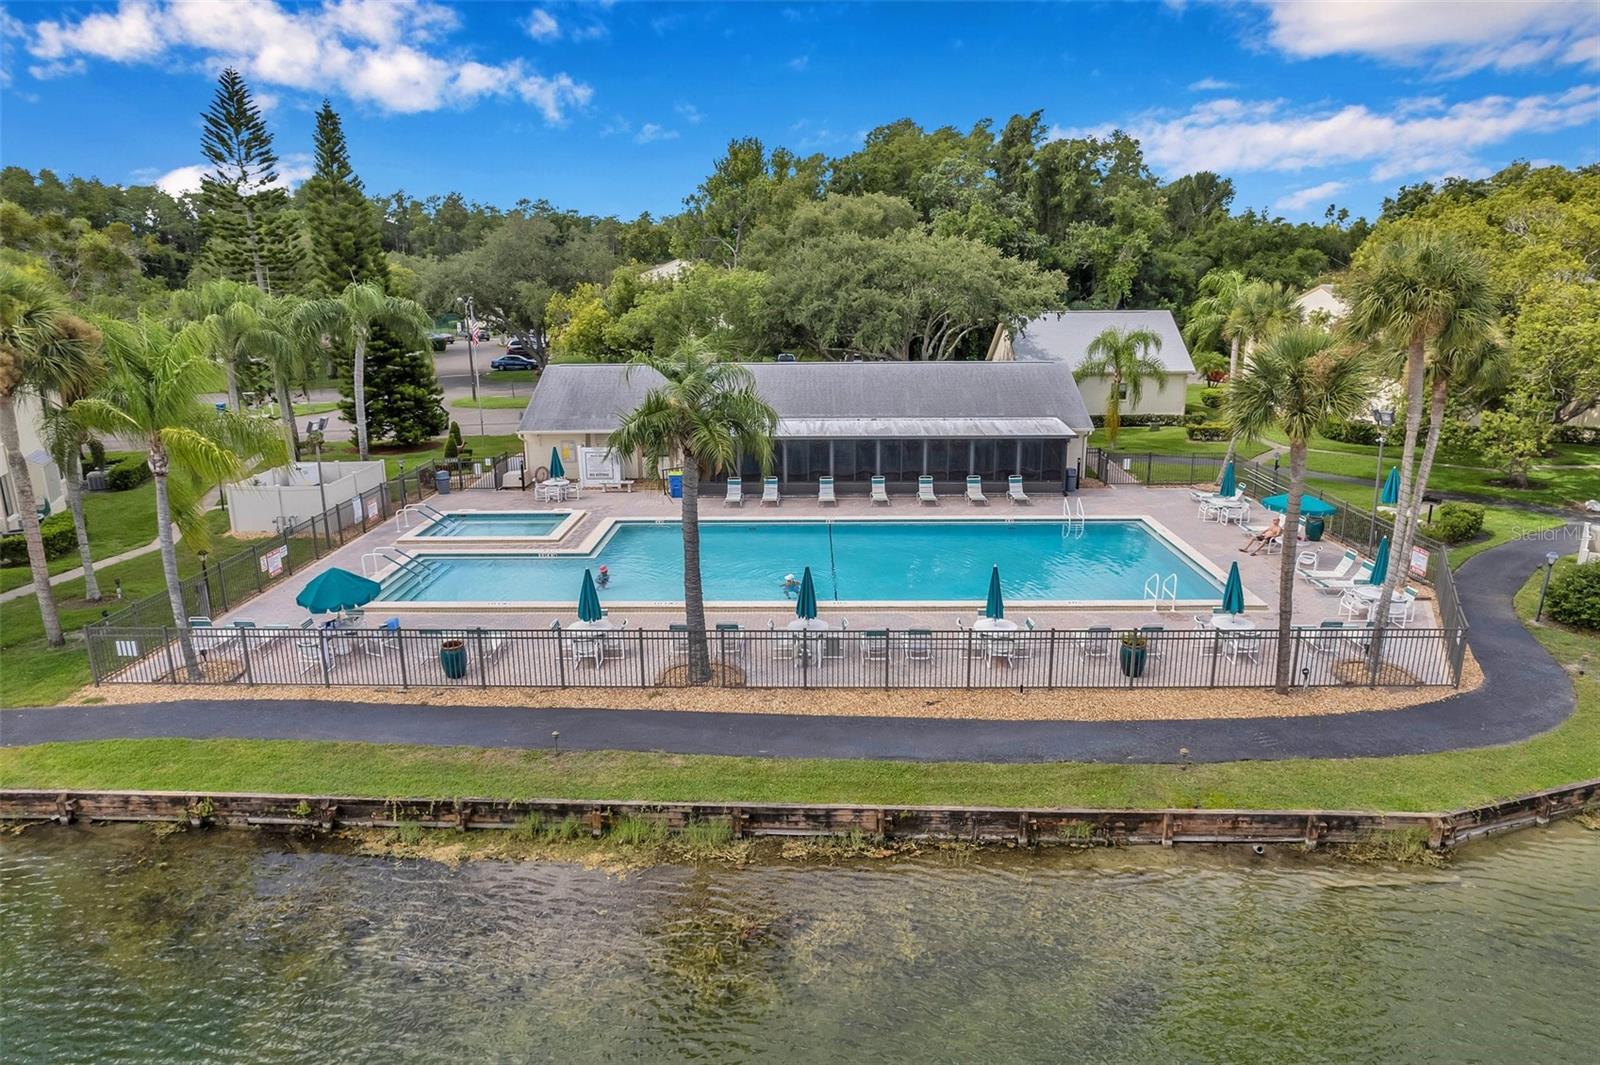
{"points": [[1065, 338], [851, 421]]}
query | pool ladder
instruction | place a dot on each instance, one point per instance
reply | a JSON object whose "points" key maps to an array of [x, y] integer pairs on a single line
{"points": [[432, 513], [1157, 588], [1071, 517]]}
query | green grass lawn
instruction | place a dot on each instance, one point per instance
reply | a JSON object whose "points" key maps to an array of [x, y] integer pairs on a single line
{"points": [[318, 407], [1169, 440], [1568, 753], [117, 522], [482, 447], [521, 377], [490, 402]]}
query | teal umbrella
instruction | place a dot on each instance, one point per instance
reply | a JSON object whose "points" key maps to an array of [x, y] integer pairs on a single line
{"points": [[588, 599], [337, 589], [1391, 488], [556, 469], [1310, 506], [1380, 563], [995, 607], [806, 605], [1233, 592], [1228, 485]]}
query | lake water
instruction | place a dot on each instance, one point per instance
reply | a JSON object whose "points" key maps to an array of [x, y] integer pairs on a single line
{"points": [[233, 946]]}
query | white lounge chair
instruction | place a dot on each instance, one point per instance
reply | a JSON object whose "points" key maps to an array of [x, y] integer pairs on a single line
{"points": [[919, 645], [769, 492], [880, 490], [825, 491], [975, 494], [1345, 564], [735, 496], [1340, 585], [1014, 490], [925, 490]]}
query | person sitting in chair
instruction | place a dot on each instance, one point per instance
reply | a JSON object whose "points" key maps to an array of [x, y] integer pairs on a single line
{"points": [[1264, 537]]}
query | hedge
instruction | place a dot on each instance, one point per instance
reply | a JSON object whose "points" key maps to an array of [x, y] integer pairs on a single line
{"points": [[1455, 523], [127, 473], [58, 535], [1576, 434], [1208, 431], [1574, 597], [1212, 397], [1099, 420]]}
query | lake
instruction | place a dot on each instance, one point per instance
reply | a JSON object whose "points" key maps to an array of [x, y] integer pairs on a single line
{"points": [[120, 946]]}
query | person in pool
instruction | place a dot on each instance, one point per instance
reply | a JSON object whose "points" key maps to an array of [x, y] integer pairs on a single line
{"points": [[603, 579], [791, 586]]}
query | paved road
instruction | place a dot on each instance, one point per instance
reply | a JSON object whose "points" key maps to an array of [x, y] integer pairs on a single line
{"points": [[1526, 693]]}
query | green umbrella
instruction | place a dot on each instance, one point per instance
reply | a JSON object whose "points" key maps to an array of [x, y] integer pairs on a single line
{"points": [[1380, 563], [1228, 485], [556, 469], [1310, 506], [337, 589], [588, 599], [995, 607], [1233, 592], [806, 605], [1391, 488]]}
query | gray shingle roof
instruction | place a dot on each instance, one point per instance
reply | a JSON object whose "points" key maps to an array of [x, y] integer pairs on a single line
{"points": [[1064, 337], [592, 399]]}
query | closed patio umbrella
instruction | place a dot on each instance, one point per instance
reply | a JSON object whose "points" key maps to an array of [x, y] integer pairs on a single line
{"points": [[805, 607], [995, 607], [1228, 485], [337, 589], [556, 469], [1391, 488], [1233, 592], [588, 600], [1380, 563], [1310, 506]]}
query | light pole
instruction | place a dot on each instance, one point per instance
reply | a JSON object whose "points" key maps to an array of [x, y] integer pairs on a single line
{"points": [[1383, 418], [1550, 560], [465, 302], [314, 429]]}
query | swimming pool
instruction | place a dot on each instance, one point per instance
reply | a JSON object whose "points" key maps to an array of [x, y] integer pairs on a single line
{"points": [[873, 561], [493, 525]]}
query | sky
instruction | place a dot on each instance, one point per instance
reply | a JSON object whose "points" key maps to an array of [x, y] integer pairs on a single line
{"points": [[617, 108]]}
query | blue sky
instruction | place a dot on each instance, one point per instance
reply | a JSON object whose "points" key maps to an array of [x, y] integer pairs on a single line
{"points": [[621, 107]]}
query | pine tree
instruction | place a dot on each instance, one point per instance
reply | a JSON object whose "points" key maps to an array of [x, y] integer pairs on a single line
{"points": [[405, 404], [251, 233], [346, 232]]}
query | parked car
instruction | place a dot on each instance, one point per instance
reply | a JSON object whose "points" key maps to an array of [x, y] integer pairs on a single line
{"points": [[518, 346], [786, 356], [514, 362]]}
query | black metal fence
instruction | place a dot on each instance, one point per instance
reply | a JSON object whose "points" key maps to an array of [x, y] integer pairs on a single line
{"points": [[220, 585], [1159, 657]]}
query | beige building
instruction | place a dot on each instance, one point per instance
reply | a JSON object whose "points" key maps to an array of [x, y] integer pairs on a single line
{"points": [[1321, 300], [1065, 338], [48, 489]]}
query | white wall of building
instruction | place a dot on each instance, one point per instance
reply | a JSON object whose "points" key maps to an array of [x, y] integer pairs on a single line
{"points": [[48, 487], [1156, 400]]}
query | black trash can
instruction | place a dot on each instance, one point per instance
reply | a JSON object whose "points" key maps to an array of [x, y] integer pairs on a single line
{"points": [[441, 481], [1071, 484]]}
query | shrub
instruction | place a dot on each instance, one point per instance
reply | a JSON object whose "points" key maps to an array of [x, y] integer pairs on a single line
{"points": [[1140, 419], [1455, 523], [455, 433], [126, 473], [451, 448], [1208, 431], [97, 455], [1212, 398], [1575, 434], [1350, 432], [57, 532], [1574, 597]]}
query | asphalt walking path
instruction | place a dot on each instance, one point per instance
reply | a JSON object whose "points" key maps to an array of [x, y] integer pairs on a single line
{"points": [[1525, 693]]}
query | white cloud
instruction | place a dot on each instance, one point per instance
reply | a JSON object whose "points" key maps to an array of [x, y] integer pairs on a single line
{"points": [[1455, 36], [1316, 194], [1232, 136], [388, 53], [292, 170], [800, 62], [542, 26], [650, 131], [1210, 85], [690, 114]]}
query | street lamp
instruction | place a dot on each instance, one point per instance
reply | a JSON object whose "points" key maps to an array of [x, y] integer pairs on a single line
{"points": [[314, 429], [465, 303], [1550, 561], [205, 583], [1383, 418]]}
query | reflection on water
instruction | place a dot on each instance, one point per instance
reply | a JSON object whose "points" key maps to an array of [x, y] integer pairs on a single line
{"points": [[233, 946]]}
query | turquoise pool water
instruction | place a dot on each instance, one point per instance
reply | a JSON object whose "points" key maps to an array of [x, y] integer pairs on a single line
{"points": [[459, 523], [878, 561]]}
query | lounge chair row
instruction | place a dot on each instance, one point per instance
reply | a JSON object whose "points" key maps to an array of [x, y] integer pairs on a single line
{"points": [[880, 491]]}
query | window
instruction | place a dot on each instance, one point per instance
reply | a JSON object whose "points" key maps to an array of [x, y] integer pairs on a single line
{"points": [[8, 503], [902, 460], [994, 460], [808, 459], [1043, 460], [854, 460], [949, 460]]}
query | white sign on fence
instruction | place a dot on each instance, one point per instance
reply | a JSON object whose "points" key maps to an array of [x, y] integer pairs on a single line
{"points": [[355, 510], [598, 465], [372, 508], [1419, 562], [272, 561], [128, 648]]}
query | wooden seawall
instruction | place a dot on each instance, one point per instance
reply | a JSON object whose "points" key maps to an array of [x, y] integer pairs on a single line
{"points": [[979, 824]]}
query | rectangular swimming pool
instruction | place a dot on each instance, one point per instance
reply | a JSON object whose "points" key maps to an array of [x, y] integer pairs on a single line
{"points": [[456, 524], [876, 561]]}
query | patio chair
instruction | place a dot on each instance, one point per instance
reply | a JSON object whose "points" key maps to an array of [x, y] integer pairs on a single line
{"points": [[975, 494], [875, 645], [1014, 490], [1000, 647], [1243, 644], [1022, 643], [825, 491], [588, 648], [925, 490], [1328, 636], [769, 492], [314, 654], [1098, 643], [612, 642], [1351, 605], [833, 644], [383, 639], [1346, 563], [242, 623], [679, 638], [1401, 609], [198, 622], [880, 490], [919, 645], [1154, 639], [735, 497], [730, 639]]}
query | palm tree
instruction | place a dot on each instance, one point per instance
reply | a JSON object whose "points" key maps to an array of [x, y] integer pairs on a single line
{"points": [[1422, 292], [291, 355], [706, 412], [153, 394], [65, 435], [1123, 355], [43, 348], [1212, 317], [351, 317], [1296, 381], [1259, 310], [234, 313]]}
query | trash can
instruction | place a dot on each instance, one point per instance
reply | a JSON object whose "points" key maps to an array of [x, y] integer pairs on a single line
{"points": [[675, 483], [1072, 479], [441, 481], [1314, 527], [453, 658]]}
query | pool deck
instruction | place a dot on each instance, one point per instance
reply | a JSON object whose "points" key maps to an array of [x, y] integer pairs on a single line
{"points": [[1171, 508]]}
